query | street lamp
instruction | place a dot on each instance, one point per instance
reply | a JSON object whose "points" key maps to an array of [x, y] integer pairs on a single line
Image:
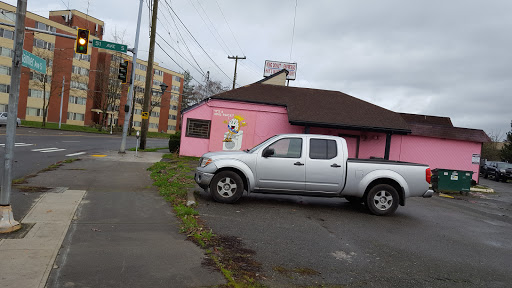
{"points": [[163, 87]]}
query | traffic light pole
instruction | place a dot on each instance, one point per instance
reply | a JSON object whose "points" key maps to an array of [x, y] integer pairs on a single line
{"points": [[130, 90], [7, 222]]}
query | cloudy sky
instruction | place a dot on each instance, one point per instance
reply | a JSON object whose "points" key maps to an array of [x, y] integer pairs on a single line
{"points": [[445, 58]]}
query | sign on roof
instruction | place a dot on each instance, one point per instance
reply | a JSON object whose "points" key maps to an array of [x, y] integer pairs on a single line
{"points": [[272, 67]]}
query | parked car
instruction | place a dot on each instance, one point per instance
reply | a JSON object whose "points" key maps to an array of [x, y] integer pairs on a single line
{"points": [[312, 165], [484, 168], [500, 171], [3, 119]]}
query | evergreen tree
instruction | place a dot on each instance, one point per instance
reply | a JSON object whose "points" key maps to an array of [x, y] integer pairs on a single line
{"points": [[187, 99], [506, 152]]}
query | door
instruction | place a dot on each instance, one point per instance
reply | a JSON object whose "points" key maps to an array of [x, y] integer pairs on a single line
{"points": [[285, 170], [325, 166]]}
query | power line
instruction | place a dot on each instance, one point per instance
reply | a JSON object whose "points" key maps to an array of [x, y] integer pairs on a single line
{"points": [[200, 72], [198, 42], [229, 27], [293, 31], [175, 61]]}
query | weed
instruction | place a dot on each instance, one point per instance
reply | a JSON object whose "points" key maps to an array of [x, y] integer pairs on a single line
{"points": [[148, 149], [182, 210]]}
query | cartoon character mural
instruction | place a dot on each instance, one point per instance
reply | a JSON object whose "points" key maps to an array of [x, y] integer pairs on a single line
{"points": [[233, 138]]}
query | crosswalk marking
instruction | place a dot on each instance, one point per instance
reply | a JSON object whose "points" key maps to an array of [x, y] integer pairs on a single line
{"points": [[76, 154], [53, 150], [46, 150], [18, 145]]}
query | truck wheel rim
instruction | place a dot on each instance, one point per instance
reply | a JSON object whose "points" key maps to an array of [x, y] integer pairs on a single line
{"points": [[383, 200], [226, 187]]}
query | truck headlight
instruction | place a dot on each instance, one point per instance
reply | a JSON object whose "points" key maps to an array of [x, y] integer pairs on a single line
{"points": [[503, 171], [204, 162]]}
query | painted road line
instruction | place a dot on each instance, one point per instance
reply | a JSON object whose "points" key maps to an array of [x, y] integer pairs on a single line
{"points": [[76, 154], [70, 141], [99, 155], [55, 150], [41, 149], [18, 144]]}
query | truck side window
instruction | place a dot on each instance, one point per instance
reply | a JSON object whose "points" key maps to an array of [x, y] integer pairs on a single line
{"points": [[287, 148], [322, 149]]}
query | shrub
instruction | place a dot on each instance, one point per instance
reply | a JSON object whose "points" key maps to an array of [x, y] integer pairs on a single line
{"points": [[174, 142]]}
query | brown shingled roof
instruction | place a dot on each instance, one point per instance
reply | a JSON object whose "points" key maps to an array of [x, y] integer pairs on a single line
{"points": [[456, 133], [426, 119], [325, 108]]}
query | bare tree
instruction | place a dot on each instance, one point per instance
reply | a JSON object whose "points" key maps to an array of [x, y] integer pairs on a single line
{"points": [[203, 91], [107, 94], [491, 151]]}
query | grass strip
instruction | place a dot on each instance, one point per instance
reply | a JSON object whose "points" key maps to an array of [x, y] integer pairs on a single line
{"points": [[148, 149], [173, 179]]}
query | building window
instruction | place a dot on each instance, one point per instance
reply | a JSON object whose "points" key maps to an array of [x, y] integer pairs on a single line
{"points": [[80, 70], [157, 83], [43, 44], [38, 93], [40, 77], [159, 73], [140, 78], [4, 88], [153, 125], [76, 116], [175, 88], [173, 107], [198, 128], [171, 127], [138, 89], [34, 111], [175, 98], [6, 52], [322, 149], [5, 70], [77, 100], [136, 123], [7, 33], [78, 85], [176, 78], [83, 57], [141, 67], [172, 117], [7, 15], [42, 26], [117, 59], [155, 114]]}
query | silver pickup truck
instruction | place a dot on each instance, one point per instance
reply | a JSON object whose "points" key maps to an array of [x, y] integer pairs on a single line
{"points": [[312, 165]]}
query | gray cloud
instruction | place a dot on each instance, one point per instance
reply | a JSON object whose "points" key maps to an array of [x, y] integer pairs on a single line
{"points": [[447, 58]]}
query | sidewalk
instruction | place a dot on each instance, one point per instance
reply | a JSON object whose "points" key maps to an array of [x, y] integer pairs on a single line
{"points": [[122, 234]]}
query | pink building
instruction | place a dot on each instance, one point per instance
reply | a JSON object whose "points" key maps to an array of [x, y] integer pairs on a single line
{"points": [[251, 114]]}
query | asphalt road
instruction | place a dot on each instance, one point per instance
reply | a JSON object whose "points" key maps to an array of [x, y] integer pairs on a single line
{"points": [[31, 153], [436, 242]]}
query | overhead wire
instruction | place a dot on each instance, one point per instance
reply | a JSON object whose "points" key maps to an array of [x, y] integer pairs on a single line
{"points": [[175, 61], [197, 42], [198, 70], [204, 11], [293, 31]]}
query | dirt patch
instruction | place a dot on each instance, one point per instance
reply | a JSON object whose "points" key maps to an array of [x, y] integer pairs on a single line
{"points": [[32, 188], [237, 259]]}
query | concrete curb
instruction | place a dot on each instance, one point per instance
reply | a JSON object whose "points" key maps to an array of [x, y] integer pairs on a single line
{"points": [[27, 262], [488, 190]]}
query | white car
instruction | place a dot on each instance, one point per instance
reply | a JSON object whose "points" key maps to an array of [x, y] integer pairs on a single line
{"points": [[3, 119]]}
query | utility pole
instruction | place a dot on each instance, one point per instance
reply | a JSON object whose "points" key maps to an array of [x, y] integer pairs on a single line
{"points": [[130, 90], [149, 77], [61, 99], [236, 62], [7, 222]]}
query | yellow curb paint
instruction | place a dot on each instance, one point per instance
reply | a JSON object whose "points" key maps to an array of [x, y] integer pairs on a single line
{"points": [[98, 155], [446, 196]]}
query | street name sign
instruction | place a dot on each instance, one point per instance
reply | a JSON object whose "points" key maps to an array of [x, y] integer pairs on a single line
{"points": [[33, 62], [109, 45]]}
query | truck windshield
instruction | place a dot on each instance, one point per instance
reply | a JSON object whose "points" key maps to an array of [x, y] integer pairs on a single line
{"points": [[504, 165], [259, 145]]}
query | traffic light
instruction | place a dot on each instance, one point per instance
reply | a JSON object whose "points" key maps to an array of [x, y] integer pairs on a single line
{"points": [[123, 70], [82, 41]]}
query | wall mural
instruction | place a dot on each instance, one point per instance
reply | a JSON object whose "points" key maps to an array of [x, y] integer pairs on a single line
{"points": [[234, 136]]}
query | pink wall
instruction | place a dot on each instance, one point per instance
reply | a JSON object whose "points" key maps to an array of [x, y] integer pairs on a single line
{"points": [[261, 122], [436, 152], [264, 121]]}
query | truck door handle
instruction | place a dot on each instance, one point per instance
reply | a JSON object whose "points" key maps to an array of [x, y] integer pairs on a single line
{"points": [[298, 164], [335, 165]]}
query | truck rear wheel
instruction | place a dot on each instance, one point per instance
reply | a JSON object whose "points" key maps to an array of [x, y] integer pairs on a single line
{"points": [[227, 187], [382, 200]]}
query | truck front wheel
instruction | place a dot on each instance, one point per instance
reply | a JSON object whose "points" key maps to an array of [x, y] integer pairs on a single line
{"points": [[226, 187], [382, 199]]}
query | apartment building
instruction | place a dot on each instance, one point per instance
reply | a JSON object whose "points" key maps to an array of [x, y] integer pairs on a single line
{"points": [[82, 75]]}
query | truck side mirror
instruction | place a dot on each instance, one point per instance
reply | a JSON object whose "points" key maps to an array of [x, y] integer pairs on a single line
{"points": [[268, 152]]}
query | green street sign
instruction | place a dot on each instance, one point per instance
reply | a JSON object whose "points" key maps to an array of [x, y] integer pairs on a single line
{"points": [[109, 45], [33, 62]]}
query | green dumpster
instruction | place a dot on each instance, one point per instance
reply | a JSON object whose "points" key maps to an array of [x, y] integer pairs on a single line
{"points": [[447, 180]]}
